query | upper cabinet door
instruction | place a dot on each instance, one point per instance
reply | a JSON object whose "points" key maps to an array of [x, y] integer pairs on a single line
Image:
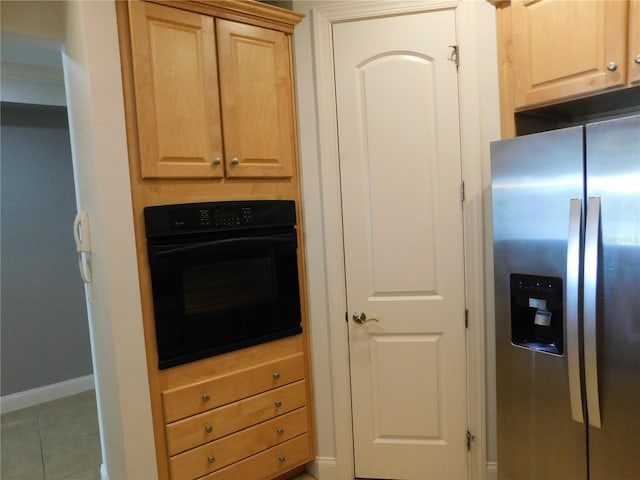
{"points": [[257, 100], [563, 49], [176, 92], [634, 42]]}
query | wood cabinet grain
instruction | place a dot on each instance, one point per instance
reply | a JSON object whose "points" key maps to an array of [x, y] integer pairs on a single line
{"points": [[194, 124], [256, 96], [176, 92], [552, 52], [564, 49]]}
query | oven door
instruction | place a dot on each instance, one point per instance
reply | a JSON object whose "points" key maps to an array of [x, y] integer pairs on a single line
{"points": [[220, 292]]}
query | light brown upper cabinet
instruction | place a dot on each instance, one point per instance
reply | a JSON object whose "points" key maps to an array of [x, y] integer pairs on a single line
{"points": [[565, 49], [193, 123], [256, 98], [634, 42]]}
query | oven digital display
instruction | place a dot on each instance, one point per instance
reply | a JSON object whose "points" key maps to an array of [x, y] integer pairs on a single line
{"points": [[225, 214]]}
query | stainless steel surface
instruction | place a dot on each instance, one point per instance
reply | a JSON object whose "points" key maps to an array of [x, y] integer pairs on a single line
{"points": [[591, 244], [534, 177], [613, 174], [612, 66], [572, 308]]}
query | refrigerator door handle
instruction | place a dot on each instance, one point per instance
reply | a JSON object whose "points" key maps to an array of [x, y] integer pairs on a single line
{"points": [[572, 306], [592, 234]]}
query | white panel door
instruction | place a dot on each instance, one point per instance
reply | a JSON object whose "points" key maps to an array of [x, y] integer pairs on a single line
{"points": [[397, 105]]}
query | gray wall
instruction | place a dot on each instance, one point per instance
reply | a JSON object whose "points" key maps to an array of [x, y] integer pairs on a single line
{"points": [[44, 328]]}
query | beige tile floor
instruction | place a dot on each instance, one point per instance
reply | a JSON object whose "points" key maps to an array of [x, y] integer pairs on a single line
{"points": [[57, 440], [52, 441]]}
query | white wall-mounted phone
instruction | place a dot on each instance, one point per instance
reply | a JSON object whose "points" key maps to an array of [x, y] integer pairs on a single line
{"points": [[83, 244]]}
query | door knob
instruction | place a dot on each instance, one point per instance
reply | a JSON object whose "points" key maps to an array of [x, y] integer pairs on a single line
{"points": [[360, 317]]}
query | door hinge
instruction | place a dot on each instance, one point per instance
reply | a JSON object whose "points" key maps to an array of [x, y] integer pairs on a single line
{"points": [[470, 438], [462, 191], [455, 55], [466, 318], [346, 317]]}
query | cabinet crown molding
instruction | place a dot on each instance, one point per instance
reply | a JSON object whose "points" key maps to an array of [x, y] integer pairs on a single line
{"points": [[246, 11]]}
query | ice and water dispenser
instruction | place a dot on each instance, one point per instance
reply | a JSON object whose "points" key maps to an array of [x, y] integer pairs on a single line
{"points": [[537, 313]]}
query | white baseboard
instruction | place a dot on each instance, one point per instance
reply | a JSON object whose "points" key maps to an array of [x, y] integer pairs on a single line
{"points": [[103, 472], [35, 396], [492, 471], [324, 468]]}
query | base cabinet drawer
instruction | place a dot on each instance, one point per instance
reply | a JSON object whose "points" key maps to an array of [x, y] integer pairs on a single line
{"points": [[219, 422], [267, 464], [202, 396], [220, 453]]}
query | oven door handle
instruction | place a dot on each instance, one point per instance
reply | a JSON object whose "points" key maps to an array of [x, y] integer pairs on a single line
{"points": [[244, 241]]}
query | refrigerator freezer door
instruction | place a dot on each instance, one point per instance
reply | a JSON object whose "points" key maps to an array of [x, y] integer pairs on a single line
{"points": [[613, 174], [534, 179]]}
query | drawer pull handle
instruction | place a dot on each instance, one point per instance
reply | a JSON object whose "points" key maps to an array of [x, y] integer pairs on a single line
{"points": [[208, 429], [276, 375], [280, 431], [205, 397], [282, 459], [211, 459], [278, 403]]}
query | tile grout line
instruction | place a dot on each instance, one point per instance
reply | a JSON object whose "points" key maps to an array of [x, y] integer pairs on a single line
{"points": [[44, 473]]}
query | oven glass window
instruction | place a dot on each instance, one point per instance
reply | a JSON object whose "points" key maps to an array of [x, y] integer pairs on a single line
{"points": [[216, 295], [228, 287]]}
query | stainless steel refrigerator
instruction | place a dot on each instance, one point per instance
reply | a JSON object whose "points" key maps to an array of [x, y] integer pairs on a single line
{"points": [[566, 228]]}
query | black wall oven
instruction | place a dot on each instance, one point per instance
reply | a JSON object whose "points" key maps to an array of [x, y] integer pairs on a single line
{"points": [[224, 276]]}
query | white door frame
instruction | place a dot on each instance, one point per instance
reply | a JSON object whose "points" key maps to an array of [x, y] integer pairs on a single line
{"points": [[479, 123]]}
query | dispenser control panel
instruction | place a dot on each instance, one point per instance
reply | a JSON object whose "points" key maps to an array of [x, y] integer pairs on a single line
{"points": [[537, 320]]}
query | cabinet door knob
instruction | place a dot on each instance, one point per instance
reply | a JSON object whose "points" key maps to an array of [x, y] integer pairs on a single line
{"points": [[278, 403], [280, 430], [276, 375], [205, 397], [637, 59], [211, 459], [217, 161], [612, 67], [235, 161], [208, 429], [282, 459]]}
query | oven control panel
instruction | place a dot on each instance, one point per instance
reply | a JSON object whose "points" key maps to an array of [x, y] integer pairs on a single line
{"points": [[225, 217], [201, 217]]}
